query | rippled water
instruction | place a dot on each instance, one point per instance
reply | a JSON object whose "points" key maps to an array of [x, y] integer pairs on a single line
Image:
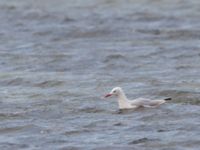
{"points": [[57, 58]]}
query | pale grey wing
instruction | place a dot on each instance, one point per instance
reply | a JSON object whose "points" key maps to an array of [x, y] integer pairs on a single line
{"points": [[146, 102], [140, 101]]}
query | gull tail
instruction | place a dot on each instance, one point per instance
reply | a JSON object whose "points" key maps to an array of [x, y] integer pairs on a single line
{"points": [[168, 99]]}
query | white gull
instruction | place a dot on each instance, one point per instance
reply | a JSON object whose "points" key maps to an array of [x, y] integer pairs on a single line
{"points": [[125, 103]]}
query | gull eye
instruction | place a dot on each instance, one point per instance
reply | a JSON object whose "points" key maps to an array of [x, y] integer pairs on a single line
{"points": [[114, 91]]}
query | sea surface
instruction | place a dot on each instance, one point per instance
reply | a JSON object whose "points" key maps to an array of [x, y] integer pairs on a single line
{"points": [[59, 57]]}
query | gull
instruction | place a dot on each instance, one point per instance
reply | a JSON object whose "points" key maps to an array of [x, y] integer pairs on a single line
{"points": [[125, 103]]}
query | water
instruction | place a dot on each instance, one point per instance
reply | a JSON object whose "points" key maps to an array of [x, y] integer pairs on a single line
{"points": [[57, 58]]}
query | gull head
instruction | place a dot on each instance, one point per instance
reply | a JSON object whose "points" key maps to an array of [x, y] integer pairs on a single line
{"points": [[115, 91]]}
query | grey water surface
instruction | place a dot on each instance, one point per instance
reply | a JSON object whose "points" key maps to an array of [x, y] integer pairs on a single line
{"points": [[59, 57]]}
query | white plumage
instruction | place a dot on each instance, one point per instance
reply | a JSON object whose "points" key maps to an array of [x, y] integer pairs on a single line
{"points": [[125, 103]]}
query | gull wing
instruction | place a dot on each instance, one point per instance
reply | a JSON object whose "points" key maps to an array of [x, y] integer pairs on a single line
{"points": [[144, 102]]}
